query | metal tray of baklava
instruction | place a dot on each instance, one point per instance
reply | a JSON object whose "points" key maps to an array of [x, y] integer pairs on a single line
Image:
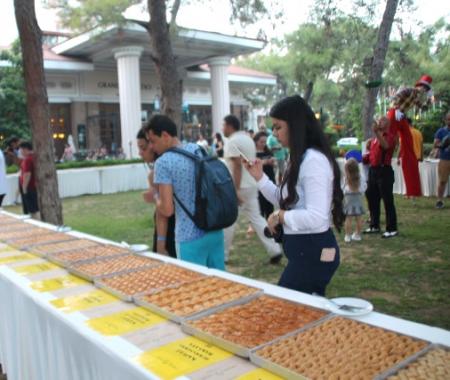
{"points": [[410, 360], [235, 348], [91, 278], [286, 372], [179, 319]]}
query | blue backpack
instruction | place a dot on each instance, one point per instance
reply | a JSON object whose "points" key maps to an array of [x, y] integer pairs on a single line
{"points": [[216, 203]]}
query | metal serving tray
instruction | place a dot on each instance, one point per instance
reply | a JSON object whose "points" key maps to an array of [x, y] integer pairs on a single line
{"points": [[45, 254], [234, 347], [131, 298], [289, 374], [88, 277], [62, 238], [179, 319], [405, 363]]}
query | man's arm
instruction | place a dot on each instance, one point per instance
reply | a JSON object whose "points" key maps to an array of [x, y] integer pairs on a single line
{"points": [[26, 181], [164, 203], [161, 233], [236, 171]]}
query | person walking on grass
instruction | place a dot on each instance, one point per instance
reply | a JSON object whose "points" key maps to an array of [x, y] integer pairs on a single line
{"points": [[354, 187], [442, 142], [239, 143]]}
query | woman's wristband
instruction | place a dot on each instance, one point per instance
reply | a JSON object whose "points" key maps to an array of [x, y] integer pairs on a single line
{"points": [[161, 238]]}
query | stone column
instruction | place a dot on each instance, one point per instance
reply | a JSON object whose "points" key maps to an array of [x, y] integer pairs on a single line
{"points": [[128, 72], [220, 91]]}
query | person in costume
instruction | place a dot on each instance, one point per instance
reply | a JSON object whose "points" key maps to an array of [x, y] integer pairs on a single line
{"points": [[418, 96]]}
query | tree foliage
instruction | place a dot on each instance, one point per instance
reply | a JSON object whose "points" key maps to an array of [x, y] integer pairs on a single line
{"points": [[333, 56], [13, 107]]}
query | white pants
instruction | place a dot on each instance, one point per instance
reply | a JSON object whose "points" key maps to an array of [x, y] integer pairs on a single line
{"points": [[250, 208]]}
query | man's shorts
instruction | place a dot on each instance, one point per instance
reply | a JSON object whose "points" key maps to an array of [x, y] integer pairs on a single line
{"points": [[30, 202], [443, 170]]}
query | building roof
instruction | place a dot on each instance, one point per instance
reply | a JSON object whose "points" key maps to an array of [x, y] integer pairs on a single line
{"points": [[238, 70], [193, 48]]}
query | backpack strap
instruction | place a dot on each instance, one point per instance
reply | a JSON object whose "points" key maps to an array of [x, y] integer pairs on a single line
{"points": [[195, 158]]}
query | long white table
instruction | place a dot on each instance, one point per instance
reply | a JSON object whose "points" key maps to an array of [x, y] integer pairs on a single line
{"points": [[39, 341]]}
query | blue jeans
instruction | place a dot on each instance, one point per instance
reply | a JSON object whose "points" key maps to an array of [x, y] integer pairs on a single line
{"points": [[208, 251], [305, 271]]}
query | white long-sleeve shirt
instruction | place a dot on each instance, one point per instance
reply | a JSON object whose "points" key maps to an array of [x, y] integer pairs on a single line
{"points": [[312, 212]]}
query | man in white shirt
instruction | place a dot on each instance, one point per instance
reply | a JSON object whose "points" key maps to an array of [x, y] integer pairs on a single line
{"points": [[246, 188]]}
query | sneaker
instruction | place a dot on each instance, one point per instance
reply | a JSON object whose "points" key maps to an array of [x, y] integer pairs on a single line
{"points": [[439, 205], [389, 234], [347, 238], [276, 259], [372, 230], [356, 237]]}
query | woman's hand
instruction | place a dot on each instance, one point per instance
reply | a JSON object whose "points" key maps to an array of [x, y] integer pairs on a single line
{"points": [[276, 218], [148, 196], [255, 168]]}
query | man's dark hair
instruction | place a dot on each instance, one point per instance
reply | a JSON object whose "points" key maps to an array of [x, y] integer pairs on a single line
{"points": [[232, 121], [26, 145], [142, 134], [12, 140], [161, 123]]}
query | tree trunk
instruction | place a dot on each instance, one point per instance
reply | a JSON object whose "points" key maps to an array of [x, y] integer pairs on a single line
{"points": [[165, 63], [38, 112], [377, 65], [308, 91]]}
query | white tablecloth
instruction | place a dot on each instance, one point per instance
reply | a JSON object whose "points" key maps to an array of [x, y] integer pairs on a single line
{"points": [[428, 177], [38, 341], [102, 180]]}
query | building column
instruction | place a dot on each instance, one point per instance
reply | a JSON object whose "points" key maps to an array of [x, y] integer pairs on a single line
{"points": [[128, 72], [220, 91]]}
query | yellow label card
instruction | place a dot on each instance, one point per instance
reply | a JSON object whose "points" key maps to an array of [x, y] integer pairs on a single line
{"points": [[57, 283], [83, 301], [15, 258], [36, 268], [125, 321], [259, 374], [181, 357]]}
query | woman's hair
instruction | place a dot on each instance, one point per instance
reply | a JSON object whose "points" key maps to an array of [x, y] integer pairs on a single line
{"points": [[305, 132], [218, 136], [352, 175], [258, 136]]}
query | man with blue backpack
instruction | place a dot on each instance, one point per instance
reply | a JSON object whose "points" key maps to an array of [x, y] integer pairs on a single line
{"points": [[198, 189]]}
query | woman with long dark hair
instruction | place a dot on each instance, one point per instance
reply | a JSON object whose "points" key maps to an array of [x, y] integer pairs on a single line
{"points": [[310, 198]]}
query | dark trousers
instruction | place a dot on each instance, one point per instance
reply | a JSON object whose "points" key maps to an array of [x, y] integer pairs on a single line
{"points": [[306, 271], [1, 199], [380, 187]]}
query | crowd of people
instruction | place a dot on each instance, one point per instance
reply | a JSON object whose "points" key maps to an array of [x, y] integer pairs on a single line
{"points": [[286, 183], [292, 213]]}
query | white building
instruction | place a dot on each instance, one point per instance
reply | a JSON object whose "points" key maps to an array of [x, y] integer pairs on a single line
{"points": [[102, 84]]}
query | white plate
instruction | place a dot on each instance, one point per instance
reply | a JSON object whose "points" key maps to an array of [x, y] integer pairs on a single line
{"points": [[366, 306], [139, 247]]}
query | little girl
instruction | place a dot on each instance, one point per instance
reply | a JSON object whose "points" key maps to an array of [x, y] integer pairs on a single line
{"points": [[354, 188]]}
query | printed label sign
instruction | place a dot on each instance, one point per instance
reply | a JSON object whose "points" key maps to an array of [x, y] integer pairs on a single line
{"points": [[181, 357], [259, 374], [125, 321], [35, 268], [83, 301], [57, 283], [16, 258]]}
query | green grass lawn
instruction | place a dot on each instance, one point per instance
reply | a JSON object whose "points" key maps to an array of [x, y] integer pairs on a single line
{"points": [[407, 276]]}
